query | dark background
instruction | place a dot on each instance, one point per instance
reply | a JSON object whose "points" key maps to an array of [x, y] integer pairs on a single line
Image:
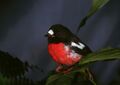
{"points": [[23, 24]]}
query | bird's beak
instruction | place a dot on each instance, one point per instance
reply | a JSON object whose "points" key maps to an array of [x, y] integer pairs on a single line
{"points": [[46, 35]]}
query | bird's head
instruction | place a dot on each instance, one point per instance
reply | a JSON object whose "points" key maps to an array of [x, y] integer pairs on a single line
{"points": [[58, 33]]}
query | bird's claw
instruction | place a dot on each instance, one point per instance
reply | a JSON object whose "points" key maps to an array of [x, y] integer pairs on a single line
{"points": [[61, 69]]}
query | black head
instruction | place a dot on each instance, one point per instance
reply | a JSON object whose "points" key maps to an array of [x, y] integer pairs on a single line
{"points": [[58, 33]]}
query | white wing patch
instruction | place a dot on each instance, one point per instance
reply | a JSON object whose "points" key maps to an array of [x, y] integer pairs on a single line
{"points": [[80, 45], [67, 48], [70, 53], [51, 32]]}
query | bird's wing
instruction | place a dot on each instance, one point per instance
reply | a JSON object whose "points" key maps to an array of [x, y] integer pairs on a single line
{"points": [[78, 46]]}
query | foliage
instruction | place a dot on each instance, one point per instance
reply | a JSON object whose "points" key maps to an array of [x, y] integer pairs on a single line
{"points": [[3, 80], [104, 54], [79, 75], [82, 67], [96, 5], [11, 66], [12, 69]]}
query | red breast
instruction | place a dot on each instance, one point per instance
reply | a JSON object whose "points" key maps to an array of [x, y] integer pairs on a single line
{"points": [[62, 54]]}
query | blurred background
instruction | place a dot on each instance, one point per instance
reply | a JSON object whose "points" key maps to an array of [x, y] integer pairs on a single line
{"points": [[23, 24]]}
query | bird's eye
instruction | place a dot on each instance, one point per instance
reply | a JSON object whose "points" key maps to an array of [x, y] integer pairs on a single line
{"points": [[51, 32]]}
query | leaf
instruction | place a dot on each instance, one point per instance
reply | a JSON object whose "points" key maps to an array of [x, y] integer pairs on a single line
{"points": [[105, 54], [17, 81], [3, 80], [96, 5], [52, 78], [80, 77], [67, 79], [11, 66], [60, 78]]}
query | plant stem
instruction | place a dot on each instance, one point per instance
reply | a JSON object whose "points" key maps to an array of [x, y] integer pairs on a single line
{"points": [[90, 76]]}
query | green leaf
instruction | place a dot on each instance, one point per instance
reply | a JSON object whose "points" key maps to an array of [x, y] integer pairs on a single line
{"points": [[52, 78], [67, 79], [105, 54], [80, 77], [3, 80], [60, 79], [96, 5]]}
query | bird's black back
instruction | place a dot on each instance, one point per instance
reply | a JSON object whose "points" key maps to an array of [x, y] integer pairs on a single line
{"points": [[86, 50]]}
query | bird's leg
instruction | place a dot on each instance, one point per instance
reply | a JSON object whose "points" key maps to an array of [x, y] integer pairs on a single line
{"points": [[64, 69], [59, 68], [67, 70]]}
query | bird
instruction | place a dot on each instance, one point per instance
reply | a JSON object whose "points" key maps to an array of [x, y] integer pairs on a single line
{"points": [[65, 48]]}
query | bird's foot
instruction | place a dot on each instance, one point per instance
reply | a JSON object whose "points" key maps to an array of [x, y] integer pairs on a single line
{"points": [[62, 69], [59, 68], [65, 71]]}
